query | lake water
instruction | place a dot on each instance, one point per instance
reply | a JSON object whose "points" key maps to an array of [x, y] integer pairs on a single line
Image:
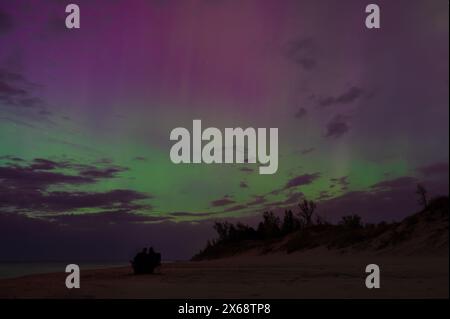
{"points": [[18, 269]]}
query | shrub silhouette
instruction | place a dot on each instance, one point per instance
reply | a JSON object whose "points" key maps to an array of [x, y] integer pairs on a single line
{"points": [[270, 226], [321, 221], [290, 223], [302, 233], [229, 232], [307, 209], [233, 238], [439, 205], [223, 230], [422, 193], [351, 222]]}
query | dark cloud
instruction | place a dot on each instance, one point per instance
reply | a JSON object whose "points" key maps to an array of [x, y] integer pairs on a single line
{"points": [[8, 90], [102, 173], [401, 182], [28, 187], [301, 113], [222, 202], [304, 179], [104, 161], [190, 214], [41, 173], [6, 22], [235, 208], [293, 198], [32, 102], [303, 52], [323, 196], [350, 96], [17, 91], [257, 201], [8, 76], [341, 181], [38, 202], [11, 158], [435, 169], [18, 177], [337, 127], [44, 164]]}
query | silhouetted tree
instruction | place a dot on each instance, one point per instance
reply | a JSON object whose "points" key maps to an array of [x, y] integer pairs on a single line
{"points": [[223, 230], [245, 232], [232, 233], [290, 223], [307, 209], [422, 193], [351, 221], [229, 232], [270, 226], [439, 204]]}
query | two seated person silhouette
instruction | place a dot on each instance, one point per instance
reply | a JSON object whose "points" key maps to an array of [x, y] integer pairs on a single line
{"points": [[146, 261]]}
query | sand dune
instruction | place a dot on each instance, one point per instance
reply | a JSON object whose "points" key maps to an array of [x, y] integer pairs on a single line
{"points": [[412, 256]]}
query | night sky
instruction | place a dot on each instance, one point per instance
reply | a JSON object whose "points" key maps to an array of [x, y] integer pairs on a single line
{"points": [[85, 117]]}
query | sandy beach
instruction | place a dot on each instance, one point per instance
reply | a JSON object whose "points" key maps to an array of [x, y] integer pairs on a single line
{"points": [[313, 274]]}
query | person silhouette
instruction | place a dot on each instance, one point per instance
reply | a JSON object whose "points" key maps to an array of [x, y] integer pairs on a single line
{"points": [[154, 259], [138, 263], [146, 261]]}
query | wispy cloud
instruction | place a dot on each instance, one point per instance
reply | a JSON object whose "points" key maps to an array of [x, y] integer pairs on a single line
{"points": [[29, 186], [439, 168], [6, 22], [301, 180], [226, 200], [337, 127], [301, 113], [17, 91], [351, 95], [303, 53]]}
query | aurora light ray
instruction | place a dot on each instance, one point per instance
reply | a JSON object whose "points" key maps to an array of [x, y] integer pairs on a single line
{"points": [[355, 108]]}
